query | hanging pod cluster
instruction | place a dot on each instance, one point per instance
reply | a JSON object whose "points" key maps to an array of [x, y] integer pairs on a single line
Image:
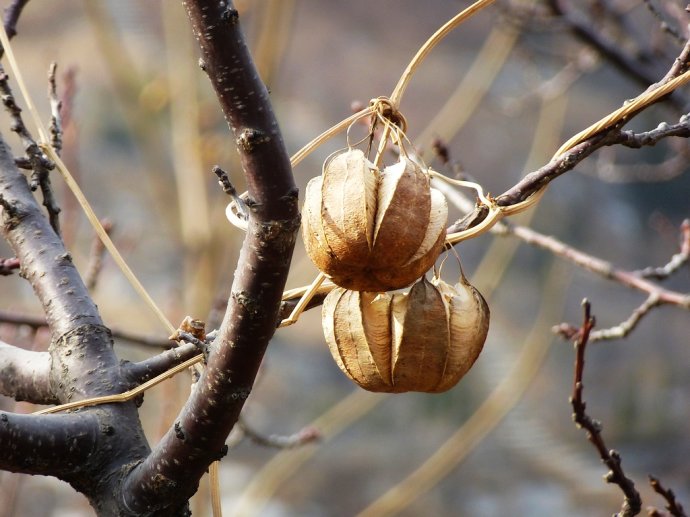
{"points": [[424, 340], [373, 230]]}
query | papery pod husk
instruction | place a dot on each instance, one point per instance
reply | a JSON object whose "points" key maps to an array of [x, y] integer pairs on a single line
{"points": [[402, 213], [357, 330], [420, 338], [371, 231], [424, 340], [469, 317], [348, 206]]}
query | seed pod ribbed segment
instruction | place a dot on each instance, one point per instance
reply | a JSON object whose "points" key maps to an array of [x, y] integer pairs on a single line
{"points": [[371, 230], [425, 339]]}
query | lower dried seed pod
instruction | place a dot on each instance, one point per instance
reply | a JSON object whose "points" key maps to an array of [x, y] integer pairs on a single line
{"points": [[424, 340]]}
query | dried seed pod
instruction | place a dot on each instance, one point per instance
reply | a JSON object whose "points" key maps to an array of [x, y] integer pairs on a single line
{"points": [[372, 230], [423, 340]]}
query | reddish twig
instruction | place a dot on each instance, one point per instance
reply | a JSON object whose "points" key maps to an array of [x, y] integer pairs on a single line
{"points": [[632, 503]]}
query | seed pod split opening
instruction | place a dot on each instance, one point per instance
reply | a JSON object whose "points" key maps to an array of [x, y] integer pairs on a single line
{"points": [[423, 340], [372, 230]]}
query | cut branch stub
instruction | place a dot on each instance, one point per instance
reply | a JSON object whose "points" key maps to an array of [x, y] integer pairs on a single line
{"points": [[424, 340], [371, 230]]}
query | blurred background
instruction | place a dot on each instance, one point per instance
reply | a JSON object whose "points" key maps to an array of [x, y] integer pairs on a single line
{"points": [[502, 92]]}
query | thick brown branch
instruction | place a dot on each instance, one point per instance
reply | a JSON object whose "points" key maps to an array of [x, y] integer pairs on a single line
{"points": [[57, 445], [25, 375], [172, 472], [11, 17]]}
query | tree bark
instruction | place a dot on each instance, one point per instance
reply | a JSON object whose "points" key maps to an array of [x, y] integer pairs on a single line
{"points": [[171, 473]]}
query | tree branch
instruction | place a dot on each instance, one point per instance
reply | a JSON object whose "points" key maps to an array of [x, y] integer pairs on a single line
{"points": [[25, 375], [172, 471], [632, 503], [643, 71], [12, 14], [567, 161], [118, 333], [32, 444], [142, 371]]}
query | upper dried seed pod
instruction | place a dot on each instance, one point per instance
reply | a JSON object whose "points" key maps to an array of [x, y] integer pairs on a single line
{"points": [[425, 340], [372, 230]]}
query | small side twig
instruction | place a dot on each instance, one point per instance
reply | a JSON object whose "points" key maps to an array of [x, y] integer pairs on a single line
{"points": [[55, 127], [120, 334], [8, 265], [96, 254], [35, 159], [677, 261], [276, 441], [239, 212], [632, 503], [673, 506], [616, 332]]}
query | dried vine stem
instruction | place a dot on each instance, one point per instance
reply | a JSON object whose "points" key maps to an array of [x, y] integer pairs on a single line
{"points": [[127, 395], [46, 147], [434, 40]]}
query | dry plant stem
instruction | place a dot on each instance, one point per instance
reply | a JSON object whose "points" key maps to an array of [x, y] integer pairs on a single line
{"points": [[198, 437], [632, 503], [127, 395], [304, 300], [672, 505], [74, 187], [436, 38]]}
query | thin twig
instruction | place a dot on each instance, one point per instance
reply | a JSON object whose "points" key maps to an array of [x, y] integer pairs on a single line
{"points": [[119, 334], [277, 441], [597, 265], [673, 506], [55, 126], [96, 255], [677, 261], [35, 159], [8, 265], [632, 503]]}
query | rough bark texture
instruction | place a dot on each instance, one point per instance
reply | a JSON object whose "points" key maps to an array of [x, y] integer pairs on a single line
{"points": [[171, 473], [91, 448]]}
